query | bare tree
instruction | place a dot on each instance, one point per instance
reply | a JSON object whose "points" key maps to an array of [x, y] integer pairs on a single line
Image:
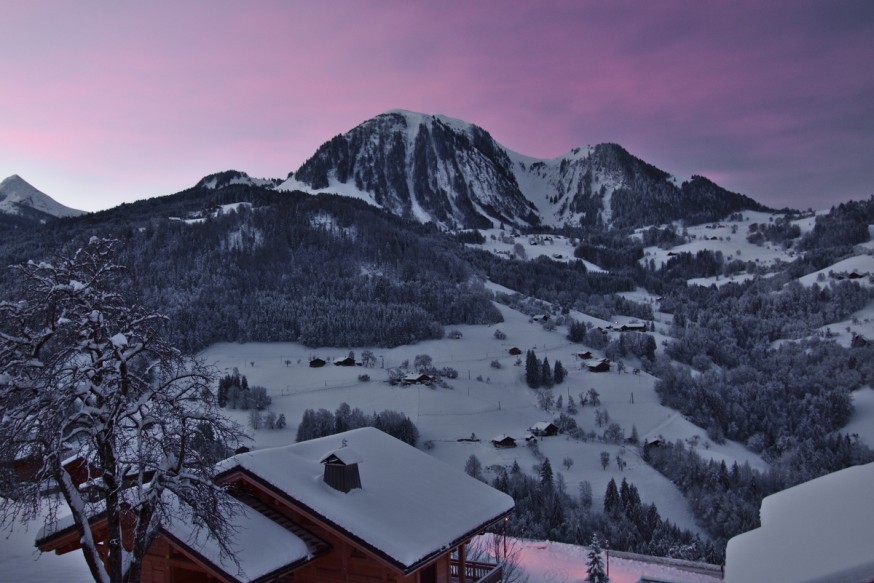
{"points": [[502, 549], [87, 376]]}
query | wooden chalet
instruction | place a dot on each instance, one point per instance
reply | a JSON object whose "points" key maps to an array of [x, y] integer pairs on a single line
{"points": [[347, 361], [585, 355], [417, 379], [317, 363], [503, 441], [633, 328], [356, 507], [598, 365], [515, 351], [544, 429]]}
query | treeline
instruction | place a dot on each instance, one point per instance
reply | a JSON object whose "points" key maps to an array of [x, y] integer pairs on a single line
{"points": [[726, 501], [734, 323], [780, 399], [322, 423], [539, 374], [844, 226], [320, 270], [545, 510]]}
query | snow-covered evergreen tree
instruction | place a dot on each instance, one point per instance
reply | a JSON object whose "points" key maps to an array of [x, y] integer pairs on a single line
{"points": [[595, 564]]}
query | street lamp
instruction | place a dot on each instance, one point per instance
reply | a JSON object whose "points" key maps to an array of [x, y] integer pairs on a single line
{"points": [[607, 551]]}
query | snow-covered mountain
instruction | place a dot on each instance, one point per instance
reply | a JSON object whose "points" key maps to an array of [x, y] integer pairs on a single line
{"points": [[427, 167], [433, 167], [19, 198]]}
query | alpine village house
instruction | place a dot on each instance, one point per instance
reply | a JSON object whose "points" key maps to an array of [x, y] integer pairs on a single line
{"points": [[356, 507]]}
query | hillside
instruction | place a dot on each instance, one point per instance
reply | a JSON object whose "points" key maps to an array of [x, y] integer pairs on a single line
{"points": [[742, 384]]}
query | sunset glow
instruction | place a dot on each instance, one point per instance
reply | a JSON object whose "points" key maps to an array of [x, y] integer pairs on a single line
{"points": [[104, 104]]}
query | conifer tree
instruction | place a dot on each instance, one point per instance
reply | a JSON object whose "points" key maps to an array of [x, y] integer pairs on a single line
{"points": [[612, 502], [546, 474], [532, 370], [595, 564], [545, 373], [558, 373]]}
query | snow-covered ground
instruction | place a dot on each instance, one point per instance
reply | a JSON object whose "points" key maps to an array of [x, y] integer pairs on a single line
{"points": [[862, 421], [556, 247], [730, 237], [860, 264], [551, 562], [499, 403]]}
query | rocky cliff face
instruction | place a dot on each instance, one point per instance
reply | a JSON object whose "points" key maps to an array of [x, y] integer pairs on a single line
{"points": [[423, 167], [435, 168]]}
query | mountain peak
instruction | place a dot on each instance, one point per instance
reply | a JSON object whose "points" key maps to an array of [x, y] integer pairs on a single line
{"points": [[19, 197], [451, 172]]}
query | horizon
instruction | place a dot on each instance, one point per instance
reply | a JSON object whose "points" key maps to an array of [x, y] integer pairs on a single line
{"points": [[767, 101]]}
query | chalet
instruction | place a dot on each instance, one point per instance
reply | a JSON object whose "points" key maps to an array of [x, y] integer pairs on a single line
{"points": [[587, 355], [317, 362], [354, 507], [515, 351], [544, 429], [503, 441], [633, 328], [418, 378], [598, 365], [348, 361], [655, 443], [540, 318]]}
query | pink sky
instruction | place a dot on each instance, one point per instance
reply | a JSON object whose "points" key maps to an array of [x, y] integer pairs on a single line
{"points": [[104, 103]]}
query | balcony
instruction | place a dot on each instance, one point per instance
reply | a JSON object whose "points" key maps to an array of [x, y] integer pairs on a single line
{"points": [[474, 572]]}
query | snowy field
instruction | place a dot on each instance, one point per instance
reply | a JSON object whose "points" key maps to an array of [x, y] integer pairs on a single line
{"points": [[730, 237], [550, 562], [485, 401], [556, 247]]}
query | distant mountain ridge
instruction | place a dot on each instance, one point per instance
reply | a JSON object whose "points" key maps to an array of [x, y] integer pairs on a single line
{"points": [[20, 199], [440, 169]]}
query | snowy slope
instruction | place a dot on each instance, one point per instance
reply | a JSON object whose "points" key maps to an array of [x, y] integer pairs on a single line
{"points": [[499, 403], [17, 196]]}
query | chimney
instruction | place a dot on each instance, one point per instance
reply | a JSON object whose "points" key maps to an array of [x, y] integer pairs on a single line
{"points": [[341, 469]]}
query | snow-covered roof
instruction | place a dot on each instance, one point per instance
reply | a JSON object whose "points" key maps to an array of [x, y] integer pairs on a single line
{"points": [[822, 530], [410, 507], [542, 425], [261, 546]]}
